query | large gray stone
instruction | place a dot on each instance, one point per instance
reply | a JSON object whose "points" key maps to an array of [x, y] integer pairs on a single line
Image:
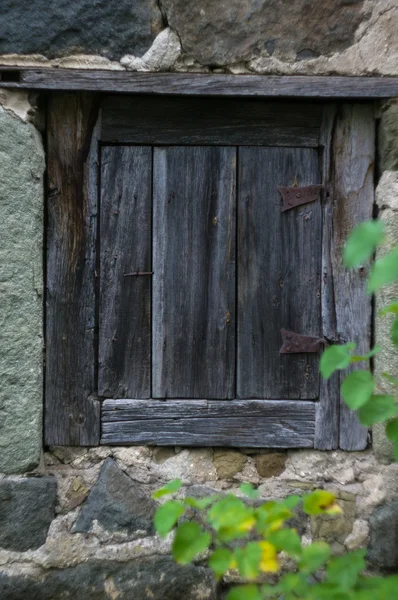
{"points": [[218, 33], [383, 547], [117, 503], [387, 359], [155, 578], [27, 507], [21, 290], [63, 27]]}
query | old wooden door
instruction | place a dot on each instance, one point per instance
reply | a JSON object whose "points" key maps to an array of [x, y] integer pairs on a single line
{"points": [[198, 270]]}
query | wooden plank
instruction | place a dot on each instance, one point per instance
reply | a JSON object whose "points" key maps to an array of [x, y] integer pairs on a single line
{"points": [[125, 247], [327, 422], [251, 424], [72, 414], [189, 84], [194, 272], [352, 180], [279, 265], [226, 121]]}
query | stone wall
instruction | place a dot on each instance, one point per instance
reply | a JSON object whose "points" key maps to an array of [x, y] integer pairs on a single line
{"points": [[78, 522], [350, 37]]}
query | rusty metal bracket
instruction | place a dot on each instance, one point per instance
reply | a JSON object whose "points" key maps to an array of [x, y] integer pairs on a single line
{"points": [[295, 196], [294, 343]]}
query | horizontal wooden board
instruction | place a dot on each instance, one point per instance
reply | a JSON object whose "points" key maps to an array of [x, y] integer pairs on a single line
{"points": [[239, 423], [215, 121], [294, 86]]}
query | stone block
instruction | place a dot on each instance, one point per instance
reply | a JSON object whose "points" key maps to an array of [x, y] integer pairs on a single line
{"points": [[270, 465], [387, 359], [21, 292], [27, 507], [388, 136], [217, 33], [116, 503], [55, 29], [157, 578], [383, 546], [228, 463]]}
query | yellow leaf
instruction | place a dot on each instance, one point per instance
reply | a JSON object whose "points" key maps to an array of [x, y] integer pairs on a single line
{"points": [[269, 559], [276, 525], [246, 525]]}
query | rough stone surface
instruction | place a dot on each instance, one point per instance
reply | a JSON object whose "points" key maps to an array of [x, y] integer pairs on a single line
{"points": [[359, 535], [53, 29], [27, 507], [383, 548], [228, 463], [116, 503], [387, 359], [226, 32], [21, 289], [157, 578], [388, 137], [270, 465], [160, 57]]}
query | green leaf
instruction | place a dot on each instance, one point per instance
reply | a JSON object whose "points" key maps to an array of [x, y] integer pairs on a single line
{"points": [[231, 518], [389, 378], [344, 570], [362, 242], [220, 561], [391, 308], [167, 516], [384, 271], [370, 354], [335, 358], [244, 592], [379, 408], [170, 488], [392, 430], [394, 332], [248, 490], [314, 556], [248, 560], [357, 388], [286, 540], [201, 503], [320, 502], [190, 540], [291, 501]]}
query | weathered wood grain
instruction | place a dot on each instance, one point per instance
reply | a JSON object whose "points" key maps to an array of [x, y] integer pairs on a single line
{"points": [[72, 414], [212, 121], [352, 181], [274, 424], [125, 246], [327, 422], [294, 86], [279, 266], [194, 272]]}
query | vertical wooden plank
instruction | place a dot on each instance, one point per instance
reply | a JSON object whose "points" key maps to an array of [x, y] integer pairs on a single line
{"points": [[327, 421], [279, 266], [194, 279], [72, 414], [125, 246], [353, 199]]}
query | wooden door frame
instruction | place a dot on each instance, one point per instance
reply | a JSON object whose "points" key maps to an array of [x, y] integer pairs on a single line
{"points": [[75, 419]]}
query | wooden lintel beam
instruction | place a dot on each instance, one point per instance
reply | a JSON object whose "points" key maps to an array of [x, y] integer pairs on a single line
{"points": [[193, 84]]}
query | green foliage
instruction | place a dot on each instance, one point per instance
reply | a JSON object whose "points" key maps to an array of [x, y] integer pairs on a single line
{"points": [[363, 242], [357, 388], [249, 536], [384, 271], [335, 358], [190, 540]]}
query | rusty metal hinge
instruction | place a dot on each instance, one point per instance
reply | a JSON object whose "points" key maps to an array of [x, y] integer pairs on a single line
{"points": [[295, 196], [293, 343], [137, 273]]}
